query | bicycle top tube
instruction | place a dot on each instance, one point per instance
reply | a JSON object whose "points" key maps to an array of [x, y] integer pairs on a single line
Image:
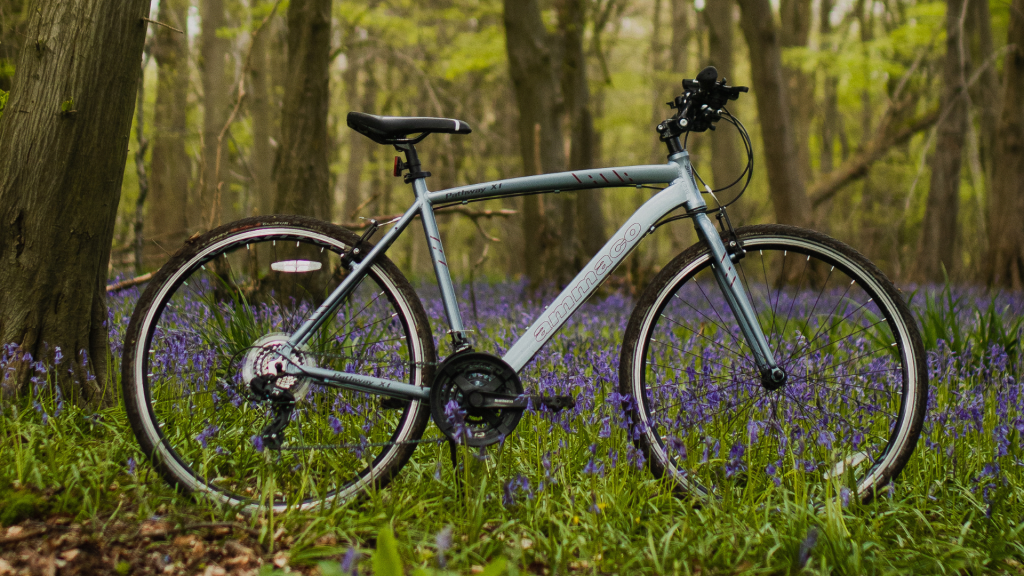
{"points": [[617, 177]]}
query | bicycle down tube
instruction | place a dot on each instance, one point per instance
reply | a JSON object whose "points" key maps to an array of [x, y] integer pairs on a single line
{"points": [[682, 192]]}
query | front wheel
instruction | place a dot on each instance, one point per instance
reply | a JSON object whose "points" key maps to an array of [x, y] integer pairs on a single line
{"points": [[847, 419], [210, 322]]}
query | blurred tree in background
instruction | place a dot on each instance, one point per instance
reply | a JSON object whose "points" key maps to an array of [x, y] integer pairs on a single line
{"points": [[894, 125]]}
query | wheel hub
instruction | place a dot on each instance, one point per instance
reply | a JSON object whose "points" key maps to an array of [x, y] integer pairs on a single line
{"points": [[263, 359], [773, 379]]}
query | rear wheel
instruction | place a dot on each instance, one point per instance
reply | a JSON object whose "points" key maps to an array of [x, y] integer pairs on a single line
{"points": [[849, 416], [209, 323]]}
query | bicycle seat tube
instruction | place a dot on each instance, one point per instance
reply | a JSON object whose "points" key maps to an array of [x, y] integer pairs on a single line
{"points": [[727, 277]]}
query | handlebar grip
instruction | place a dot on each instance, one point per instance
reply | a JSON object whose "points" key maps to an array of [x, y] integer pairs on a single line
{"points": [[707, 78]]}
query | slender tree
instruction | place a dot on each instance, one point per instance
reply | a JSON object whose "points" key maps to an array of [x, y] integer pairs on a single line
{"points": [[13, 19], [540, 134], [938, 237], [1005, 261], [303, 176], [582, 146], [264, 110], [795, 31], [785, 179], [726, 165], [64, 147], [215, 192], [166, 224]]}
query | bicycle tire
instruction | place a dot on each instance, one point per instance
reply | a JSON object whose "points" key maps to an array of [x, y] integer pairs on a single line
{"points": [[836, 324], [214, 309]]}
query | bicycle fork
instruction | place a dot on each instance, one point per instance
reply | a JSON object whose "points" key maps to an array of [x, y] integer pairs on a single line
{"points": [[772, 376]]}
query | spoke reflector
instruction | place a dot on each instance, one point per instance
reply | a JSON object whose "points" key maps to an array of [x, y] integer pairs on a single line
{"points": [[295, 266]]}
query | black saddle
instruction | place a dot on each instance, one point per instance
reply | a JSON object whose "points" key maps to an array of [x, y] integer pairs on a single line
{"points": [[396, 129]]}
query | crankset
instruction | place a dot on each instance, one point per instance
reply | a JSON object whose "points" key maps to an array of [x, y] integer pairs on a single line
{"points": [[478, 399]]}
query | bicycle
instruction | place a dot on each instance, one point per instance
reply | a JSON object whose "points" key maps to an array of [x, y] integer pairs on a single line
{"points": [[285, 362]]}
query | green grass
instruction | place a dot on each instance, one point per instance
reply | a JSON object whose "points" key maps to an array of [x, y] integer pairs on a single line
{"points": [[947, 514]]}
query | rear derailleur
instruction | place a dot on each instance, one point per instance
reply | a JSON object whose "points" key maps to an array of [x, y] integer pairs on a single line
{"points": [[282, 403]]}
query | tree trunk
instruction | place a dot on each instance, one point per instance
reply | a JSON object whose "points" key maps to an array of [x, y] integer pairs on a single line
{"points": [[938, 237], [795, 32], [65, 142], [215, 192], [830, 117], [359, 145], [1005, 261], [13, 19], [576, 90], [303, 176], [166, 223], [540, 134], [785, 179], [726, 165], [263, 111], [985, 92]]}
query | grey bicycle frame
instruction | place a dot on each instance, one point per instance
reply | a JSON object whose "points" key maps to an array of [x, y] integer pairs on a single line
{"points": [[682, 192]]}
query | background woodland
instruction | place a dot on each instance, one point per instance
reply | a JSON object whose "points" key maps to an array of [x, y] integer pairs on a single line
{"points": [[885, 132]]}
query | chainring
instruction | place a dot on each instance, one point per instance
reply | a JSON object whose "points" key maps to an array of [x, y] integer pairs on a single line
{"points": [[455, 381]]}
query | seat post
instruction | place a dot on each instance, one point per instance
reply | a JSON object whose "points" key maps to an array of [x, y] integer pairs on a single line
{"points": [[412, 162]]}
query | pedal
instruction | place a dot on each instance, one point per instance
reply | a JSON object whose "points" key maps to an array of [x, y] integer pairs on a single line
{"points": [[390, 403], [556, 403]]}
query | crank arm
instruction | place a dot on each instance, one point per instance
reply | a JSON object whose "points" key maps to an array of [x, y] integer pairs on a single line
{"points": [[553, 403]]}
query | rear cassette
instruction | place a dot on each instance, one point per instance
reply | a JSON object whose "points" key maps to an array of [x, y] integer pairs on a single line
{"points": [[462, 383]]}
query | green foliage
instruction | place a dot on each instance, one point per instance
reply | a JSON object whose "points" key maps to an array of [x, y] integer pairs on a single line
{"points": [[3, 102], [386, 561], [18, 505], [947, 316]]}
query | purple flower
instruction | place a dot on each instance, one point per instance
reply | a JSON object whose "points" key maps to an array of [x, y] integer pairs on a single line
{"points": [[443, 541], [207, 433], [336, 424], [350, 562], [257, 442]]}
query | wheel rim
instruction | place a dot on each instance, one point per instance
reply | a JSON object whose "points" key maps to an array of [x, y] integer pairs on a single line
{"points": [[834, 428], [201, 330]]}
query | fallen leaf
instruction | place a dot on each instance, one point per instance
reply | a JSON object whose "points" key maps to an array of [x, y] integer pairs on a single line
{"points": [[14, 531], [281, 559], [5, 567], [236, 560], [236, 548], [214, 570], [70, 555], [153, 528]]}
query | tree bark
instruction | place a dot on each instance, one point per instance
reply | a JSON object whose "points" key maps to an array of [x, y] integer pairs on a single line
{"points": [[13, 19], [303, 176], [938, 237], [215, 191], [726, 165], [582, 154], [264, 111], [830, 117], [540, 133], [359, 146], [1005, 261], [795, 31], [166, 223], [65, 141], [785, 179], [985, 92]]}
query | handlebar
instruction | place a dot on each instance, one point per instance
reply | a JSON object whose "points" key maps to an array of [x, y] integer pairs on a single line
{"points": [[700, 104]]}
